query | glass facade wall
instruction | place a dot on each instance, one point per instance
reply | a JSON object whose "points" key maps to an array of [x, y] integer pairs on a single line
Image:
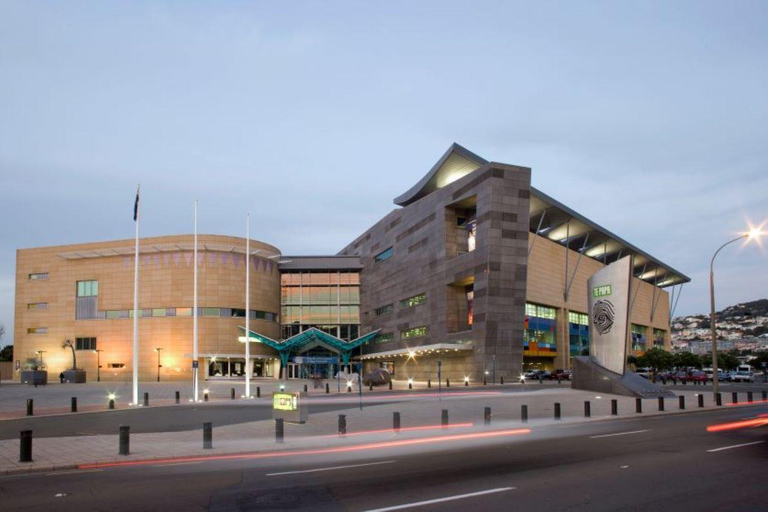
{"points": [[658, 337], [539, 331], [578, 333], [639, 334]]}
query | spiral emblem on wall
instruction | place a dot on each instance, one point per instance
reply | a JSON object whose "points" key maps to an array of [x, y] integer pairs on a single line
{"points": [[603, 316]]}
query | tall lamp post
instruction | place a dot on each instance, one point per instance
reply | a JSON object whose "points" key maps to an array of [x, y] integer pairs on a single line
{"points": [[752, 235], [158, 349], [98, 352]]}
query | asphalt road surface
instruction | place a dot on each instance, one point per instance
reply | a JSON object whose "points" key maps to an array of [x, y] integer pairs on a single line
{"points": [[643, 463]]}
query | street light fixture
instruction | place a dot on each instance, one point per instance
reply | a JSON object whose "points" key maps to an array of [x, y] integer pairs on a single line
{"points": [[98, 352], [158, 349], [753, 234]]}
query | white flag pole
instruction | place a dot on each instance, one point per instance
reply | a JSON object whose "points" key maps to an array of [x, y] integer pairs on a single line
{"points": [[247, 306], [195, 375], [136, 304]]}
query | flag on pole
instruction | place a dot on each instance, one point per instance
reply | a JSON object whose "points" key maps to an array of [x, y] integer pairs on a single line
{"points": [[136, 206]]}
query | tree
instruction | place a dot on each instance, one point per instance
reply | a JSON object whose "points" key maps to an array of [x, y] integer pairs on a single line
{"points": [[687, 360], [656, 358], [725, 361], [2, 331], [6, 354]]}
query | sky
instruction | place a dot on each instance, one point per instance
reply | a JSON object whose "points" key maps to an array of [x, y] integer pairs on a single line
{"points": [[651, 118]]}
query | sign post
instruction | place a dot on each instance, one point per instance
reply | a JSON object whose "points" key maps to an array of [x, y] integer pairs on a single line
{"points": [[288, 407]]}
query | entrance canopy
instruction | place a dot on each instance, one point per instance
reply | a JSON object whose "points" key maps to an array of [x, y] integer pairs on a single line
{"points": [[308, 338]]}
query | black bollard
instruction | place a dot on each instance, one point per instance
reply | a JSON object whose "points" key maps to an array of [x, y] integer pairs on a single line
{"points": [[485, 382], [410, 384], [111, 403], [279, 431], [232, 393], [328, 388], [444, 418], [524, 413], [557, 410], [614, 407], [661, 403], [587, 409], [638, 405], [178, 398], [349, 388], [125, 440], [146, 399], [396, 422], [701, 400], [718, 399], [466, 383], [390, 385], [73, 404], [487, 416], [370, 386], [30, 407], [429, 383], [258, 391], [447, 383], [25, 446], [735, 397], [502, 380], [342, 425], [541, 381], [749, 396], [559, 380], [681, 402], [207, 435], [765, 395], [305, 388]]}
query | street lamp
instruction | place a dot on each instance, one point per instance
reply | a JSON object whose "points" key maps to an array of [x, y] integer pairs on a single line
{"points": [[158, 349], [754, 234], [98, 352]]}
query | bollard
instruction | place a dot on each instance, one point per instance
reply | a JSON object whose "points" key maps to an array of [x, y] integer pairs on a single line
{"points": [[765, 395], [587, 409], [557, 410], [370, 386], [207, 435], [681, 402], [429, 383], [541, 381], [205, 396], [342, 425], [466, 383], [614, 407], [73, 404], [25, 446], [701, 400], [524, 413], [146, 399], [178, 397], [485, 382], [410, 384], [305, 388], [111, 403], [279, 431], [502, 380], [718, 399], [444, 418], [396, 422], [447, 383], [559, 380], [749, 396], [30, 407], [638, 405], [735, 397], [661, 403], [232, 394], [258, 391], [487, 416], [328, 388], [390, 385], [125, 440], [349, 388]]}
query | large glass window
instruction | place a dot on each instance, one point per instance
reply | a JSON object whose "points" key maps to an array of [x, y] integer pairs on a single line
{"points": [[638, 338], [578, 334], [87, 288], [85, 343], [384, 310], [416, 332], [658, 337], [540, 311], [539, 334], [416, 300], [383, 255]]}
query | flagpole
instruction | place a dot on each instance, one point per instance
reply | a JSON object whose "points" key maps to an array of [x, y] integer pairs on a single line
{"points": [[247, 305], [136, 304], [195, 374]]}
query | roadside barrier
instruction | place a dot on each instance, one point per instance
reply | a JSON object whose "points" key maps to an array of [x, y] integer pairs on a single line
{"points": [[279, 431], [205, 396], [207, 435], [587, 409], [258, 391], [410, 384], [124, 440], [25, 446]]}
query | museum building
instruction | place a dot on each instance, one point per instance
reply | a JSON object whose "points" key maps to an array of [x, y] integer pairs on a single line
{"points": [[476, 272]]}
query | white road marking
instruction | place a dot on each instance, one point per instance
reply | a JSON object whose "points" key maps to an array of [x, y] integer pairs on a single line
{"points": [[620, 434], [176, 464], [331, 468], [733, 446], [442, 500], [73, 472]]}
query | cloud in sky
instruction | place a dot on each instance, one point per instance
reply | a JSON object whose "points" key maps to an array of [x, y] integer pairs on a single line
{"points": [[648, 118]]}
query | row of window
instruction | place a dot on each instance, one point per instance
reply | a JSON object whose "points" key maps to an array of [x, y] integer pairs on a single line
{"points": [[85, 343], [410, 302], [408, 334], [540, 311], [578, 318], [37, 305], [38, 276], [321, 314], [334, 294], [182, 312], [320, 278]]}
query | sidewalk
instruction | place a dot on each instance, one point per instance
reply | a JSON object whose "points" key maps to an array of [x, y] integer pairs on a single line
{"points": [[321, 429]]}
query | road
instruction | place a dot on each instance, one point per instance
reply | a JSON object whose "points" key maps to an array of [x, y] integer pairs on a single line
{"points": [[644, 463]]}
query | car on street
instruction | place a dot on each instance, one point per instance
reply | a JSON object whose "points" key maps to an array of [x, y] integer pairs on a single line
{"points": [[742, 376]]}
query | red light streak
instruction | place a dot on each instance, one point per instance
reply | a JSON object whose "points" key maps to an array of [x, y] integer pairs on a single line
{"points": [[405, 429], [748, 403], [759, 422], [320, 451], [411, 395]]}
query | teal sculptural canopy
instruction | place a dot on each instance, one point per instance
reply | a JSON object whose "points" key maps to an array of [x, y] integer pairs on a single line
{"points": [[311, 335]]}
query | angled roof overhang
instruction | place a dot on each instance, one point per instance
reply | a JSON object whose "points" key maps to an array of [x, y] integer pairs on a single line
{"points": [[311, 335], [421, 350]]}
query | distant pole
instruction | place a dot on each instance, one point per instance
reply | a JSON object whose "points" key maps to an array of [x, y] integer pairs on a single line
{"points": [[195, 380], [136, 303], [247, 305], [360, 383], [439, 379]]}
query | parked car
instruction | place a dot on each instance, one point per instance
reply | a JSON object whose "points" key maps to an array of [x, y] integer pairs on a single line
{"points": [[698, 377], [561, 374], [742, 376], [643, 372], [534, 374]]}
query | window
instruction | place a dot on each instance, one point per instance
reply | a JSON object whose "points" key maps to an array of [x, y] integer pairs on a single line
{"points": [[638, 338], [208, 311], [416, 300], [87, 288], [383, 255], [37, 330], [385, 337], [658, 337], [85, 343], [578, 318], [37, 305], [384, 310], [38, 276], [158, 312], [416, 332], [116, 365], [539, 311]]}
